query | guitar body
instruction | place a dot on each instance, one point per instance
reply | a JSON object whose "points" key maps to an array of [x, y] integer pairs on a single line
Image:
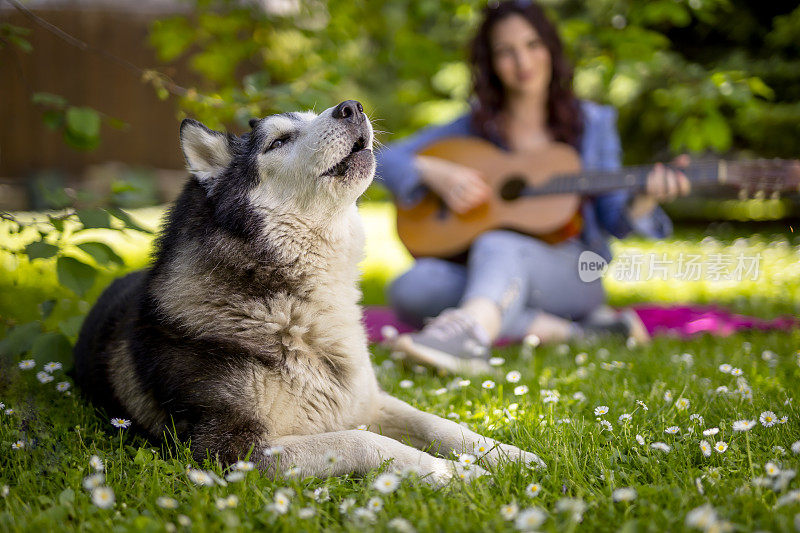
{"points": [[429, 229]]}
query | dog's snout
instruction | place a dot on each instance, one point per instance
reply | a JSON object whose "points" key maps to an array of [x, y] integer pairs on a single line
{"points": [[349, 110]]}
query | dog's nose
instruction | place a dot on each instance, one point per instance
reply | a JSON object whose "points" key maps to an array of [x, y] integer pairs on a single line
{"points": [[349, 110]]}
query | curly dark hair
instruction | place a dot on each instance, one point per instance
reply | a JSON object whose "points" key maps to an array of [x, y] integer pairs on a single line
{"points": [[564, 115]]}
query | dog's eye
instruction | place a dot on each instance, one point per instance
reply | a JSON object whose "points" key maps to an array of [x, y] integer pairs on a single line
{"points": [[277, 143]]}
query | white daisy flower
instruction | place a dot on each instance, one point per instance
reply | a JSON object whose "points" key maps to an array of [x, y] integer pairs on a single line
{"points": [[44, 377], [9, 411], [662, 446], [625, 494], [52, 367], [768, 419], [771, 469], [306, 512], [783, 420], [736, 372], [722, 389], [4, 491], [703, 517], [466, 459], [184, 520], [103, 497], [244, 466], [710, 432], [496, 361], [791, 497], [705, 447], [375, 504], [520, 390], [600, 410], [273, 450], [27, 364], [530, 519], [780, 450], [121, 423], [18, 445], [439, 392], [514, 376], [581, 358], [531, 341], [533, 490], [579, 397], [93, 481], [96, 463], [697, 418], [640, 440], [509, 511], [346, 504], [549, 398], [165, 502], [642, 404], [606, 425], [235, 477], [574, 506], [681, 404], [796, 447], [406, 384], [721, 446], [386, 483], [63, 386], [672, 430], [744, 425], [668, 396], [389, 332], [199, 477], [624, 418], [400, 524], [281, 502], [363, 515], [488, 384], [292, 471], [725, 368]]}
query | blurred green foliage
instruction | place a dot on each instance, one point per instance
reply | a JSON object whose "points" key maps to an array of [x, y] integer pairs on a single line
{"points": [[687, 75]]}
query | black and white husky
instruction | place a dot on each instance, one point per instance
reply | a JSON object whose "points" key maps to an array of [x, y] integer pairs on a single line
{"points": [[246, 331]]}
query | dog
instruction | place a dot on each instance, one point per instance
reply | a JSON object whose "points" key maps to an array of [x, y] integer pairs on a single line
{"points": [[245, 334]]}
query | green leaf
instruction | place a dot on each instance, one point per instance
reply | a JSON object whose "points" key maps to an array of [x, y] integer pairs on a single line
{"points": [[52, 346], [71, 326], [101, 252], [75, 275], [53, 119], [20, 339], [46, 308], [94, 218], [49, 99], [66, 497], [127, 220], [83, 122], [40, 250]]}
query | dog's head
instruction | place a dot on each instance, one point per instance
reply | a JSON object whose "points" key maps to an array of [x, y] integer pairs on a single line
{"points": [[302, 162]]}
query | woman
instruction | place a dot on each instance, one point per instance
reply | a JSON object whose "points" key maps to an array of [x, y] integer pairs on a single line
{"points": [[513, 285]]}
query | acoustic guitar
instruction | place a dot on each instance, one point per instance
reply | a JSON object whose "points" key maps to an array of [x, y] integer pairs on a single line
{"points": [[539, 192]]}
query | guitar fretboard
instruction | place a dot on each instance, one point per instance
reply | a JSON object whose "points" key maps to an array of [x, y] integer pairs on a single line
{"points": [[633, 178]]}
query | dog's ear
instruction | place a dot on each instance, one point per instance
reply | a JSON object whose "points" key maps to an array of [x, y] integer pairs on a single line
{"points": [[253, 122], [207, 152]]}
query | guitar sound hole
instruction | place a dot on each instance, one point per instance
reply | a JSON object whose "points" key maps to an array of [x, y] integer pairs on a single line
{"points": [[512, 188]]}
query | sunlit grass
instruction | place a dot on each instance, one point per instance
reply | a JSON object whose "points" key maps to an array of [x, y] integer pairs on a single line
{"points": [[586, 462]]}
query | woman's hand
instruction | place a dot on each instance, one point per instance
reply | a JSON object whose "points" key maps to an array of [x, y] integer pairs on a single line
{"points": [[663, 185], [461, 188]]}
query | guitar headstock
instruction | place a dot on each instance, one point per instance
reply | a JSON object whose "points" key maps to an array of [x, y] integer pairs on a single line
{"points": [[761, 177]]}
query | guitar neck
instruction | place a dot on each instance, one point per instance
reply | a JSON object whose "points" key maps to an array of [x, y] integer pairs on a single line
{"points": [[633, 178]]}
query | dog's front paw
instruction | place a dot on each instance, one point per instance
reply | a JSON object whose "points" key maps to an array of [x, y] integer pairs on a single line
{"points": [[506, 452]]}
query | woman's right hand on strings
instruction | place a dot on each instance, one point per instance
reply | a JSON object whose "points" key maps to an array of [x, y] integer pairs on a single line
{"points": [[461, 188]]}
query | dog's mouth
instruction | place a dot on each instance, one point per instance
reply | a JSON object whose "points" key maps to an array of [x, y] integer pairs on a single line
{"points": [[342, 166]]}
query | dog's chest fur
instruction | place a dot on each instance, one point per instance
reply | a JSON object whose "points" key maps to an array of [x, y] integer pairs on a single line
{"points": [[299, 319]]}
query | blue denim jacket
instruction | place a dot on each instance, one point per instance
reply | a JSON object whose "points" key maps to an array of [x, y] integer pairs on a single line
{"points": [[603, 215]]}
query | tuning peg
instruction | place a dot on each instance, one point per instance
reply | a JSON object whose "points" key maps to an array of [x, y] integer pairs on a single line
{"points": [[759, 195], [776, 195], [742, 194]]}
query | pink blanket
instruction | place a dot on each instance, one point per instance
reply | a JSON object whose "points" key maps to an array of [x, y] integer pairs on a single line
{"points": [[680, 321]]}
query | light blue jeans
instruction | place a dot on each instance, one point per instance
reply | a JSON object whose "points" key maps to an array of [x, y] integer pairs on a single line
{"points": [[521, 274]]}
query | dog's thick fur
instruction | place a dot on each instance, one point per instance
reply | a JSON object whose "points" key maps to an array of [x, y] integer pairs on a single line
{"points": [[246, 331]]}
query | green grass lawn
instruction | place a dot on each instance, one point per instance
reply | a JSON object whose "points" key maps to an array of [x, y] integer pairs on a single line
{"points": [[570, 405]]}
